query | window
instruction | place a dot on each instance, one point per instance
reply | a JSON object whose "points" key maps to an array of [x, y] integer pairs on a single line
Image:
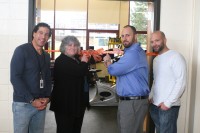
{"points": [[100, 39], [92, 21], [141, 16]]}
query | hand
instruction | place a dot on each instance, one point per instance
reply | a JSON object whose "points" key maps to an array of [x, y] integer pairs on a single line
{"points": [[107, 60], [117, 50], [107, 57], [84, 58], [40, 103], [44, 101], [97, 58], [150, 100], [163, 107]]}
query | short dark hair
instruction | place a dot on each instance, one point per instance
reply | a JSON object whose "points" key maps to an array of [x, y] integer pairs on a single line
{"points": [[132, 28], [35, 29]]}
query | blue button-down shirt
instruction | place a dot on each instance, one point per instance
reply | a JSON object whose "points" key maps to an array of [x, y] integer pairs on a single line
{"points": [[131, 72]]}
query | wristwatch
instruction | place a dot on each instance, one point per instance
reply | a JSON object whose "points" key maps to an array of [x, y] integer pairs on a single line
{"points": [[32, 101], [110, 60]]}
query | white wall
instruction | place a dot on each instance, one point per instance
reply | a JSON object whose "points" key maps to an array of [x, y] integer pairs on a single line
{"points": [[195, 125], [179, 20], [196, 122], [14, 28]]}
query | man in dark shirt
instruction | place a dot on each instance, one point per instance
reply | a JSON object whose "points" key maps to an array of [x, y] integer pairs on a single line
{"points": [[31, 80]]}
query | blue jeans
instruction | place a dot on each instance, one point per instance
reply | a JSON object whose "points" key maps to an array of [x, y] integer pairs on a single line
{"points": [[27, 119], [165, 120]]}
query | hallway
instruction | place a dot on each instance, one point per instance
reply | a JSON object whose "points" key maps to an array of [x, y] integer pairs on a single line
{"points": [[99, 119]]}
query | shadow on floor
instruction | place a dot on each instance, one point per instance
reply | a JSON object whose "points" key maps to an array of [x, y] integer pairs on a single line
{"points": [[99, 119]]}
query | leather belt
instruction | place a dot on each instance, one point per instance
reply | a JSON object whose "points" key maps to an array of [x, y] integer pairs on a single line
{"points": [[133, 98]]}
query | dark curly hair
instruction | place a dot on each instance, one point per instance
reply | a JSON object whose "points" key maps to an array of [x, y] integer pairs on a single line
{"points": [[35, 29]]}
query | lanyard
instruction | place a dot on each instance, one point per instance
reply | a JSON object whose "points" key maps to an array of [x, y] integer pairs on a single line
{"points": [[41, 66]]}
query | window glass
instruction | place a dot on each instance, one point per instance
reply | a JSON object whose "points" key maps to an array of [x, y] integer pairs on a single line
{"points": [[100, 40], [142, 39], [104, 11], [79, 17], [139, 15], [103, 26], [71, 19], [71, 14], [45, 11]]}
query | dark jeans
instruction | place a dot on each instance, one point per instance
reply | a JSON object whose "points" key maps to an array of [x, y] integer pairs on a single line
{"points": [[165, 120]]}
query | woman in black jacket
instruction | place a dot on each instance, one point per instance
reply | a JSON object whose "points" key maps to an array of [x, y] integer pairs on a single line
{"points": [[67, 100]]}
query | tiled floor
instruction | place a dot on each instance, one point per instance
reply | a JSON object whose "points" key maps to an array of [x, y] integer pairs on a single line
{"points": [[96, 120]]}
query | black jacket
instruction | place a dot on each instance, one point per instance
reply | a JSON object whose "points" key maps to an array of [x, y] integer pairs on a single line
{"points": [[68, 91]]}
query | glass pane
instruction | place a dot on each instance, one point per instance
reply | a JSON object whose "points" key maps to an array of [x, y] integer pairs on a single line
{"points": [[139, 15], [142, 38], [104, 11], [60, 34], [73, 19], [103, 26], [71, 14], [45, 11], [100, 40]]}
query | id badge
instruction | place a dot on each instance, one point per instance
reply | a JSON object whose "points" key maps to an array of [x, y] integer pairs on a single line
{"points": [[41, 83]]}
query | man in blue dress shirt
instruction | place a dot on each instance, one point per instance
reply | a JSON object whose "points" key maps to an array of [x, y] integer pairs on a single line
{"points": [[132, 83]]}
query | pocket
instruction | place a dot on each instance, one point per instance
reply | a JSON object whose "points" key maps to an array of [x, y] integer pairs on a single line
{"points": [[19, 106]]}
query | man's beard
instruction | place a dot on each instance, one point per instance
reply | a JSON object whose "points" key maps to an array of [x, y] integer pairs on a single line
{"points": [[160, 48], [127, 45]]}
